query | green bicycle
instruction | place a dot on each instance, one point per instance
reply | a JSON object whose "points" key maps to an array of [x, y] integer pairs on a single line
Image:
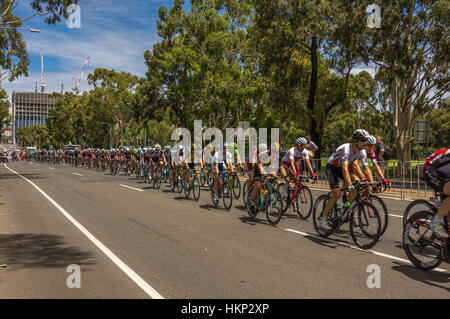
{"points": [[269, 199]]}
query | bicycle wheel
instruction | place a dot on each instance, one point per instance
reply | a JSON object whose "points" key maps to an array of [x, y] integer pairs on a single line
{"points": [[252, 214], [318, 207], [187, 189], [274, 207], [367, 231], [244, 192], [382, 211], [202, 178], [196, 188], [304, 202], [236, 186], [158, 181], [420, 243], [415, 206], [283, 189], [179, 182], [227, 196]]}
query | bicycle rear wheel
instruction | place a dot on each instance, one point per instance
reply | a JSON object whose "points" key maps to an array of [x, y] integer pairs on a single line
{"points": [[420, 243], [367, 231], [196, 188], [227, 196], [304, 202], [274, 207], [318, 208], [187, 189]]}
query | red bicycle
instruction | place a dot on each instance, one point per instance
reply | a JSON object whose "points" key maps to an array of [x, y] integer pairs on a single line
{"points": [[298, 196]]}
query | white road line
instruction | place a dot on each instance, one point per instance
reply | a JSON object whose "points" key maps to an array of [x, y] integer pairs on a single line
{"points": [[357, 248], [77, 174], [127, 270], [136, 189], [395, 215], [51, 168]]}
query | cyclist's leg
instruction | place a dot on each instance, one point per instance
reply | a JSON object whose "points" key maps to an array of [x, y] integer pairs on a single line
{"points": [[333, 178]]}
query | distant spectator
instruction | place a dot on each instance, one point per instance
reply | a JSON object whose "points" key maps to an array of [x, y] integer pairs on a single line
{"points": [[381, 152], [312, 148]]}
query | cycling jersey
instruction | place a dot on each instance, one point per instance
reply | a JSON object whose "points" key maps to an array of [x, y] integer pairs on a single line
{"points": [[218, 159], [370, 154], [296, 155], [344, 155], [253, 157], [436, 171]]}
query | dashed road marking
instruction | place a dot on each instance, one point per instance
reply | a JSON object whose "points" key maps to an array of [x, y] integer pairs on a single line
{"points": [[136, 189]]}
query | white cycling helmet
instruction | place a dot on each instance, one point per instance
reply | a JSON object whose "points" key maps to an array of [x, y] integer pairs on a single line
{"points": [[145, 149], [262, 147], [372, 140], [301, 140], [361, 135], [157, 146]]}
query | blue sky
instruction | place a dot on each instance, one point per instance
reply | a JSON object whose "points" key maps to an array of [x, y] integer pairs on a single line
{"points": [[114, 33]]}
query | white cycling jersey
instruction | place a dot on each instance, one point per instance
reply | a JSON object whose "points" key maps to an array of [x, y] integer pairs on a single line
{"points": [[294, 154], [344, 155], [218, 157]]}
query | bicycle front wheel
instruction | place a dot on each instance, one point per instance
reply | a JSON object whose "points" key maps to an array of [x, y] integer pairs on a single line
{"points": [[304, 202], [365, 225], [382, 211], [415, 206], [274, 207], [236, 187], [420, 243], [227, 196], [318, 208]]}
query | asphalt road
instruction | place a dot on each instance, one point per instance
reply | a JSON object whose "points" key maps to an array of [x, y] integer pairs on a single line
{"points": [[140, 243]]}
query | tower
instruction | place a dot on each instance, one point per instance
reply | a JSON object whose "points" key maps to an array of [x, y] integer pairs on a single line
{"points": [[42, 73]]}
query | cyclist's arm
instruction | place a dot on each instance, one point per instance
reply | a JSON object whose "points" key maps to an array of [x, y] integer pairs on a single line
{"points": [[308, 163], [378, 170], [293, 166], [346, 174]]}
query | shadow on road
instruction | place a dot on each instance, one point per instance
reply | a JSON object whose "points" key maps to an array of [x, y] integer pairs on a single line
{"points": [[431, 278], [253, 221], [14, 176], [40, 250]]}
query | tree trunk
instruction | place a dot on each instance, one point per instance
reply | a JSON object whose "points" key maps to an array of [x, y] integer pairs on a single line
{"points": [[316, 135]]}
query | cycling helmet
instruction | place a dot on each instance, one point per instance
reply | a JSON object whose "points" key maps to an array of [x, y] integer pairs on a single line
{"points": [[372, 140], [145, 149], [361, 135], [262, 147], [180, 147], [167, 147], [301, 140], [224, 144], [157, 147]]}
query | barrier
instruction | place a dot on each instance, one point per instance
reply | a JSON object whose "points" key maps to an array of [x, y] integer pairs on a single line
{"points": [[405, 177]]}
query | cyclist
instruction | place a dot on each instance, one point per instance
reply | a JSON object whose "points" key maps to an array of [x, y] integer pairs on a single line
{"points": [[189, 163], [371, 142], [261, 168], [436, 173], [337, 167], [251, 161], [238, 157], [219, 166], [291, 160], [157, 159]]}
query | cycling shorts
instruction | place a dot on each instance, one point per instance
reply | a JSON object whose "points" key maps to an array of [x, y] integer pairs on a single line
{"points": [[333, 175]]}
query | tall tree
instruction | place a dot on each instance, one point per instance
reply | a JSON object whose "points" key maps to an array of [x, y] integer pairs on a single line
{"points": [[410, 51]]}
